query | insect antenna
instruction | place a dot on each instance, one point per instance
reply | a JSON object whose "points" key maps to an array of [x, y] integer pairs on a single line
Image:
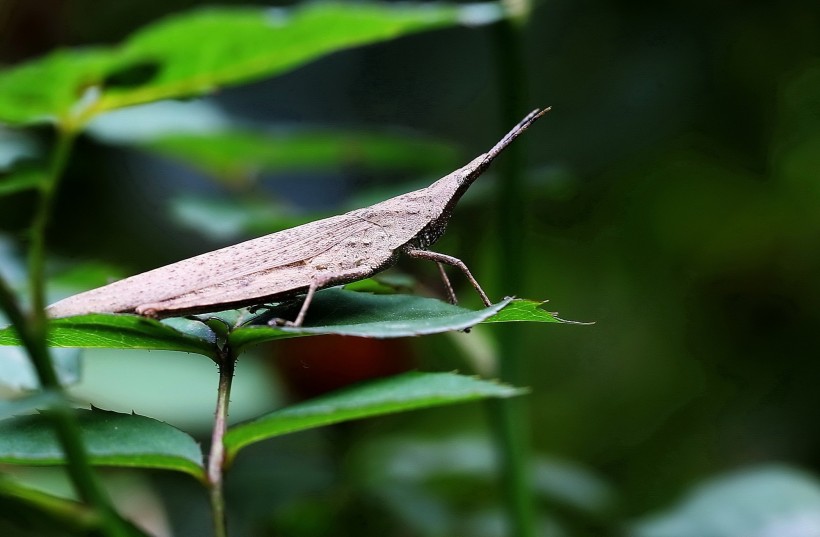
{"points": [[514, 133]]}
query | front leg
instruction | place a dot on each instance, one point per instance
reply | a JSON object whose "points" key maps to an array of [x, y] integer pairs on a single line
{"points": [[452, 261]]}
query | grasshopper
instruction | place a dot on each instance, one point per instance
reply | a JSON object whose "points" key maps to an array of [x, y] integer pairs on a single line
{"points": [[300, 260]]}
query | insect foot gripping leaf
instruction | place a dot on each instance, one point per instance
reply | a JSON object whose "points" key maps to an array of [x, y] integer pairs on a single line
{"points": [[300, 260]]}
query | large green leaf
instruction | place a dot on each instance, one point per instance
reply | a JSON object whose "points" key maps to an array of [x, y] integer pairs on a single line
{"points": [[103, 330], [386, 396], [348, 313], [200, 51], [334, 311], [235, 154], [111, 439]]}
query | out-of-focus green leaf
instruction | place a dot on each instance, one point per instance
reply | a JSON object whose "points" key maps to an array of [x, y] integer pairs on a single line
{"points": [[197, 52], [121, 332], [111, 439], [347, 313], [25, 178], [18, 373], [82, 276], [382, 465], [763, 502], [29, 512], [221, 219], [53, 88], [239, 154], [386, 396], [200, 51], [29, 403], [15, 145]]}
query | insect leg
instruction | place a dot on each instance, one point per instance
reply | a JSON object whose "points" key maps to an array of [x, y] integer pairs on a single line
{"points": [[451, 295], [300, 317], [452, 261]]}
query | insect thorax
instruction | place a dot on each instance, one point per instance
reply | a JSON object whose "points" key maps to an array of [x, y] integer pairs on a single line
{"points": [[431, 232]]}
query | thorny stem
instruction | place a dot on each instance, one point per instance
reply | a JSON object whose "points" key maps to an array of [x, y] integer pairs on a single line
{"points": [[510, 417], [226, 361]]}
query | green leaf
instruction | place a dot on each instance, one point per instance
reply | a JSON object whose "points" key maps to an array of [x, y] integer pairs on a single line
{"points": [[52, 88], [24, 178], [767, 501], [17, 371], [334, 311], [111, 439], [225, 220], [29, 403], [200, 51], [386, 396], [236, 155], [341, 312], [103, 330], [526, 310], [30, 512]]}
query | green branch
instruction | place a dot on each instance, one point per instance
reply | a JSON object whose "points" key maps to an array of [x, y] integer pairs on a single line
{"points": [[510, 417]]}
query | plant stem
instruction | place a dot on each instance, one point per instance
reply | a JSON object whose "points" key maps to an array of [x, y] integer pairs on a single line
{"points": [[510, 417], [216, 458], [32, 332], [36, 257]]}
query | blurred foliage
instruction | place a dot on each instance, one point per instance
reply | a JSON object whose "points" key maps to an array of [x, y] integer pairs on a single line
{"points": [[682, 220]]}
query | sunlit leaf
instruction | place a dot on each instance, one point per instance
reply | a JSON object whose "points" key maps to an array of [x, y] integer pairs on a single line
{"points": [[385, 396], [525, 310], [111, 439], [197, 52], [50, 89]]}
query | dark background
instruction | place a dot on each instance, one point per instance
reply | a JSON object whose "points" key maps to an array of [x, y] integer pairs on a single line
{"points": [[672, 201]]}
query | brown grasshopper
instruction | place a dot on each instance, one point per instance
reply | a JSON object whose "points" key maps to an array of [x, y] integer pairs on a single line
{"points": [[301, 260]]}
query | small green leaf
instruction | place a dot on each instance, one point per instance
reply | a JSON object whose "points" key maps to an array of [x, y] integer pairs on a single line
{"points": [[111, 439], [341, 312], [525, 310], [103, 330], [386, 396]]}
